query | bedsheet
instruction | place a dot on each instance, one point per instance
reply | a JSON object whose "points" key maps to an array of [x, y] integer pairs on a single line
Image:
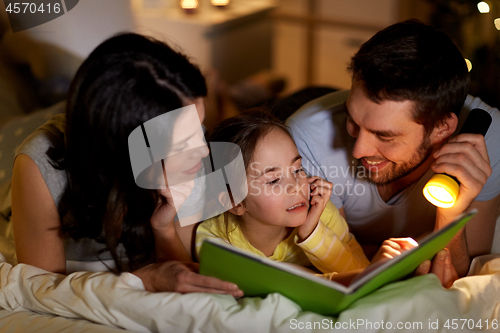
{"points": [[36, 301]]}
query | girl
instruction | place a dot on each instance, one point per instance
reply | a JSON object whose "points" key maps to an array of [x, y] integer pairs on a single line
{"points": [[74, 196], [285, 215]]}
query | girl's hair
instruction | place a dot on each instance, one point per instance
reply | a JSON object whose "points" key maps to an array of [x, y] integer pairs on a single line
{"points": [[126, 81], [245, 130]]}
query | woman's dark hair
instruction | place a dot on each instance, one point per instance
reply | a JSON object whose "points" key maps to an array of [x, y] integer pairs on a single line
{"points": [[245, 130], [126, 81], [413, 61]]}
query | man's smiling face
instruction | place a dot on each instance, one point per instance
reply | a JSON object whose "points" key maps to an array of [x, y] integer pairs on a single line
{"points": [[389, 143]]}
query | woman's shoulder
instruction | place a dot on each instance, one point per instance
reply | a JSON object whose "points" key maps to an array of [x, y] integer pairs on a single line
{"points": [[50, 134], [35, 146]]}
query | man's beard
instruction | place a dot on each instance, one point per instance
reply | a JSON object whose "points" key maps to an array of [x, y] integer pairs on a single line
{"points": [[397, 172]]}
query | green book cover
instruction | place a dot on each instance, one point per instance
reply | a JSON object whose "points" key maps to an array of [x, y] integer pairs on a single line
{"points": [[258, 276]]}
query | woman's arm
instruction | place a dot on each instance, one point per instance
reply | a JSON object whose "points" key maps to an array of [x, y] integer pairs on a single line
{"points": [[39, 242], [36, 222], [168, 242]]}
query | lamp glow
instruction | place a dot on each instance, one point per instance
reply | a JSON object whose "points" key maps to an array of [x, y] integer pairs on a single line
{"points": [[483, 7], [441, 190], [220, 3], [189, 6]]}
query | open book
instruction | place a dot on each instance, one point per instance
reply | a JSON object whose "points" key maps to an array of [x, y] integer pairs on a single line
{"points": [[258, 276]]}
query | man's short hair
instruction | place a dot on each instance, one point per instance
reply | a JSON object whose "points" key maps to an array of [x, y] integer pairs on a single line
{"points": [[413, 61]]}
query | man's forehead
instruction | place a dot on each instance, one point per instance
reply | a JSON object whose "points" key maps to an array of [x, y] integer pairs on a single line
{"points": [[359, 106]]}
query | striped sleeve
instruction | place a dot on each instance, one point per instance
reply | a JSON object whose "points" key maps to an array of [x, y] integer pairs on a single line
{"points": [[330, 247]]}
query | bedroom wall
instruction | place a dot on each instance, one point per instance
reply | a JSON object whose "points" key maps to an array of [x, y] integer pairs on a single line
{"points": [[81, 29]]}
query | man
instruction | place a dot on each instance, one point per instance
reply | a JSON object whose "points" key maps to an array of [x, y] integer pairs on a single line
{"points": [[381, 141]]}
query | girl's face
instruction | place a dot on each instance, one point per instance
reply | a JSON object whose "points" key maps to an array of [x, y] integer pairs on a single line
{"points": [[278, 191], [188, 145]]}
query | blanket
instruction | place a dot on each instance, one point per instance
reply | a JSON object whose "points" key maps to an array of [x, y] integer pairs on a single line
{"points": [[119, 302]]}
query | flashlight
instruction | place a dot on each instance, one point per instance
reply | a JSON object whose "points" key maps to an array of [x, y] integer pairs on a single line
{"points": [[442, 189]]}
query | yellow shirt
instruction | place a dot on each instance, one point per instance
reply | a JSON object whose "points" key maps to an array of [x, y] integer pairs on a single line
{"points": [[330, 247]]}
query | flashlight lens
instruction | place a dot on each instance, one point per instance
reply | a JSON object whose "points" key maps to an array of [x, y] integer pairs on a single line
{"points": [[441, 190], [438, 196]]}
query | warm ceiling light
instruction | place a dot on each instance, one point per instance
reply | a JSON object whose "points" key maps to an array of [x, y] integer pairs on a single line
{"points": [[483, 7], [189, 6], [220, 3]]}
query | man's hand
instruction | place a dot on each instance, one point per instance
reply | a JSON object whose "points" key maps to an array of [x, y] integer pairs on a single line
{"points": [[321, 190], [183, 278], [393, 247], [441, 266], [466, 158]]}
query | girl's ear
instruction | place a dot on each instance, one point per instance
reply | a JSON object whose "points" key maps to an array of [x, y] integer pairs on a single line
{"points": [[444, 129], [238, 210]]}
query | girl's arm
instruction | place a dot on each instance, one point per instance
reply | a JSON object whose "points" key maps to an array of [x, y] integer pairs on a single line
{"points": [[325, 236], [330, 247], [332, 253], [36, 222]]}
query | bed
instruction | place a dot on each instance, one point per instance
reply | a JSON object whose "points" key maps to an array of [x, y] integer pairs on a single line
{"points": [[34, 300]]}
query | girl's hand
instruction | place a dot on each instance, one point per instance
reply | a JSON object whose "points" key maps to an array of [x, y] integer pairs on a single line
{"points": [[321, 190], [182, 277], [393, 247], [165, 212]]}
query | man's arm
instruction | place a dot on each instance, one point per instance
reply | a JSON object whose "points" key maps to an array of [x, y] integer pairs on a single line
{"points": [[480, 230], [466, 158], [477, 236]]}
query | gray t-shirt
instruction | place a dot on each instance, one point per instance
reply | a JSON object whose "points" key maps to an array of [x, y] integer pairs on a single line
{"points": [[36, 145], [319, 131]]}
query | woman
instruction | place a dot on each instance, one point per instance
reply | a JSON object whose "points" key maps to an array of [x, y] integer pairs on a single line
{"points": [[74, 196]]}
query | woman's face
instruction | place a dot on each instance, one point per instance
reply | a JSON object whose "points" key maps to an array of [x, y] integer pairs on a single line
{"points": [[188, 145]]}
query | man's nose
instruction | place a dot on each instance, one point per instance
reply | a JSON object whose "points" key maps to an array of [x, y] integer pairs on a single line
{"points": [[364, 145]]}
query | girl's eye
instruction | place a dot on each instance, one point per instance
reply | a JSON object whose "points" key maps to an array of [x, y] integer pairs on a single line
{"points": [[275, 181], [299, 170]]}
